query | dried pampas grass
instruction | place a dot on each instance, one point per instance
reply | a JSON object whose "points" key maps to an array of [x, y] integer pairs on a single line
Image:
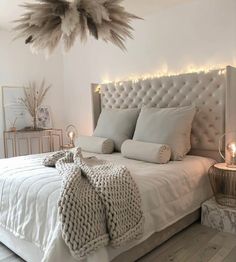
{"points": [[46, 22], [33, 99]]}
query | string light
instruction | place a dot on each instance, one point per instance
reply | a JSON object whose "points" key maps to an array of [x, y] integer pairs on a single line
{"points": [[98, 89], [166, 73]]}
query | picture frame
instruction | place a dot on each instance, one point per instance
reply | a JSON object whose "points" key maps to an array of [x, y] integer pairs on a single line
{"points": [[15, 115], [44, 117]]}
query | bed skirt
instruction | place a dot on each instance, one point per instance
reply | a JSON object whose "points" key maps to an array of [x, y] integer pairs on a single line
{"points": [[31, 252]]}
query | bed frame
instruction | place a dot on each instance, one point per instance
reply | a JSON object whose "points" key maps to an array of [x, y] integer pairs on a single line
{"points": [[214, 95]]}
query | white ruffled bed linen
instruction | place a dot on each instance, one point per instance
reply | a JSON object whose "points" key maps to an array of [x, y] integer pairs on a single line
{"points": [[29, 193]]}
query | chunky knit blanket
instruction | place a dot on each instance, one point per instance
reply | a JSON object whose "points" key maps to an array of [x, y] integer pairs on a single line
{"points": [[99, 203]]}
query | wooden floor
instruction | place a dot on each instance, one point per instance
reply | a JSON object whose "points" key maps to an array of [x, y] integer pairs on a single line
{"points": [[195, 244], [7, 256]]}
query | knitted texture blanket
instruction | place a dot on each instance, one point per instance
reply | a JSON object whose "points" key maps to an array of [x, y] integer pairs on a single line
{"points": [[99, 203]]}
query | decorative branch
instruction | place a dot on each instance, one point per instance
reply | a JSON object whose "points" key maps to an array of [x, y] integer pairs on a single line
{"points": [[46, 22], [34, 98]]}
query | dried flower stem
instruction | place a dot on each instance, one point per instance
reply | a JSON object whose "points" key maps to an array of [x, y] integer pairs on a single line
{"points": [[34, 98]]}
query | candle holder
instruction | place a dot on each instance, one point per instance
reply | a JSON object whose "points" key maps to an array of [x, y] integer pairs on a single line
{"points": [[71, 133], [230, 155], [231, 148], [223, 175]]}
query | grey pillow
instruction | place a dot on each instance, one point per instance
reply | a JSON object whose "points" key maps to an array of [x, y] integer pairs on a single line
{"points": [[171, 126], [149, 152], [117, 124], [95, 144]]}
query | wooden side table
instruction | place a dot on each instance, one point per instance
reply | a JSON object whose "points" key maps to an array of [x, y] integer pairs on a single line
{"points": [[26, 142], [219, 217]]}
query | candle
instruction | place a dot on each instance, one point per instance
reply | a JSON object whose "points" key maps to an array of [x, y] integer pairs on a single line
{"points": [[71, 135], [231, 147]]}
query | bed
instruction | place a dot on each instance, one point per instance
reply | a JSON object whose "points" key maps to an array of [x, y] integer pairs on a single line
{"points": [[171, 194]]}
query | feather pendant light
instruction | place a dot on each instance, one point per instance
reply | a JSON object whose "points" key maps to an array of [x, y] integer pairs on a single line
{"points": [[46, 22]]}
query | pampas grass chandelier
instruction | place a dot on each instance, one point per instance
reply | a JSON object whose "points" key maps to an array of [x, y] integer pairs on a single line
{"points": [[46, 22]]}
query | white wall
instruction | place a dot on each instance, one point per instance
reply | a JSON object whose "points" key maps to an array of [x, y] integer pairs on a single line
{"points": [[18, 66], [172, 36]]}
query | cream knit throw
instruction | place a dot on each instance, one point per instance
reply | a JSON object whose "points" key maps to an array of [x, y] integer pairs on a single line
{"points": [[99, 203]]}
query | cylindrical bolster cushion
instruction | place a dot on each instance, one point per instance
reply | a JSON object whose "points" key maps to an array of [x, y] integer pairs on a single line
{"points": [[149, 152], [95, 144]]}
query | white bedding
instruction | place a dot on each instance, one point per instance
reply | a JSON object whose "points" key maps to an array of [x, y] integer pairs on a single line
{"points": [[29, 193]]}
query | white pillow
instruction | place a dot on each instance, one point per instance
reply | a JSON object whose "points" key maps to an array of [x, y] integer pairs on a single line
{"points": [[117, 124], [149, 152], [95, 144], [171, 126]]}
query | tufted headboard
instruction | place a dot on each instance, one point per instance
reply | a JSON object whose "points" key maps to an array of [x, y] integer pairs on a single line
{"points": [[207, 91]]}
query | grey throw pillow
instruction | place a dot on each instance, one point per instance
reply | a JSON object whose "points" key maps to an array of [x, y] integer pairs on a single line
{"points": [[171, 126], [148, 152], [94, 144], [117, 124]]}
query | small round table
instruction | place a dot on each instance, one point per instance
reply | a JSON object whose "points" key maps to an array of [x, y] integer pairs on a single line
{"points": [[223, 182]]}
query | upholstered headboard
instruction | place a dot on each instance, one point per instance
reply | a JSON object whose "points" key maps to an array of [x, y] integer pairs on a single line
{"points": [[207, 91]]}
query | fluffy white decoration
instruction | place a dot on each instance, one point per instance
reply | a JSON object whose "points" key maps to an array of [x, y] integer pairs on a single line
{"points": [[46, 22], [70, 20]]}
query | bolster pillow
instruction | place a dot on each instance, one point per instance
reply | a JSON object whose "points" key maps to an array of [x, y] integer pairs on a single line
{"points": [[95, 144], [149, 152]]}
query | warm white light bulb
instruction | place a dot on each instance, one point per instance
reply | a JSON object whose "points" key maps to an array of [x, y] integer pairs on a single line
{"points": [[232, 148], [71, 135]]}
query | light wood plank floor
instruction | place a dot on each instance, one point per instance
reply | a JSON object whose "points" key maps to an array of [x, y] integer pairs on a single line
{"points": [[7, 256], [195, 244]]}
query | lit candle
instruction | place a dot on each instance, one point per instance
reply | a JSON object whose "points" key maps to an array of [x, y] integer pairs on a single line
{"points": [[231, 147], [71, 135]]}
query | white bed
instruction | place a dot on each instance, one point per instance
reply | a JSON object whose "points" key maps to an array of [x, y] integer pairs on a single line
{"points": [[171, 194], [29, 193]]}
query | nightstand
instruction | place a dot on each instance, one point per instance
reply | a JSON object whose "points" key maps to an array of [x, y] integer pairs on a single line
{"points": [[223, 183], [220, 211], [27, 141], [218, 217]]}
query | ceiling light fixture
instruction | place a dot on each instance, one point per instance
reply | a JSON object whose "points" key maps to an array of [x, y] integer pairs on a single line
{"points": [[46, 22]]}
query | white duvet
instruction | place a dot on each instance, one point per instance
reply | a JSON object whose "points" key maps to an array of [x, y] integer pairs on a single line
{"points": [[29, 193]]}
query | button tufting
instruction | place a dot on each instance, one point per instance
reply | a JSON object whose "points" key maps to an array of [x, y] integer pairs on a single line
{"points": [[173, 92]]}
